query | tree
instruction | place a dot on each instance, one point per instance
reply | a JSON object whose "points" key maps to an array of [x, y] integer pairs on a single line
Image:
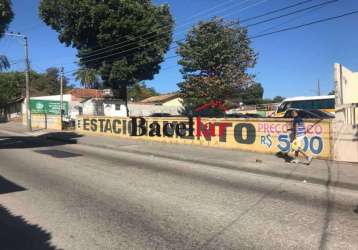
{"points": [[48, 83], [4, 63], [140, 91], [278, 99], [250, 95], [87, 77], [11, 86], [90, 26], [214, 59], [6, 16]]}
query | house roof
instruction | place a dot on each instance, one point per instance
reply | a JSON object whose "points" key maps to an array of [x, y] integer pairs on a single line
{"points": [[86, 93], [160, 98]]}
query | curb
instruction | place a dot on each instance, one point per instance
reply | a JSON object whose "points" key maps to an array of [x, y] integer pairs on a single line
{"points": [[291, 176]]}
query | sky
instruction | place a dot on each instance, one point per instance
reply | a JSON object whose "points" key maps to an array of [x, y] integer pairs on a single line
{"points": [[289, 63]]}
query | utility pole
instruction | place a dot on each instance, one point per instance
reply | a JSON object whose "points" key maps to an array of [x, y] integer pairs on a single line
{"points": [[27, 75], [318, 88], [61, 96], [27, 62]]}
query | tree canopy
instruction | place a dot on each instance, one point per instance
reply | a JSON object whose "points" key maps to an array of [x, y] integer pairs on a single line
{"points": [[47, 83], [6, 15], [4, 63], [140, 91], [89, 78], [215, 58], [12, 84], [135, 33], [278, 99], [250, 95]]}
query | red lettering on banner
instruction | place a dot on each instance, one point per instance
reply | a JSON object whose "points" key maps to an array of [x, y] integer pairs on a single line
{"points": [[260, 127], [272, 128], [318, 130], [266, 128], [284, 128], [278, 130], [204, 129]]}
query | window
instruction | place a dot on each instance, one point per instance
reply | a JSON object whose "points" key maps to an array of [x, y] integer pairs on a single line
{"points": [[328, 104], [118, 106], [302, 105], [317, 104]]}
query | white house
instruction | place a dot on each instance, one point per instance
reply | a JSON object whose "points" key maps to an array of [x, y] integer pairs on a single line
{"points": [[169, 103], [103, 107]]}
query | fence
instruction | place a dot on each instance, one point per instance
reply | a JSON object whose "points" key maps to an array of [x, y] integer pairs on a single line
{"points": [[258, 135]]}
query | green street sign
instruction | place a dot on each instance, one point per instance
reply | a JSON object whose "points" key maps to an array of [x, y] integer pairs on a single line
{"points": [[47, 107]]}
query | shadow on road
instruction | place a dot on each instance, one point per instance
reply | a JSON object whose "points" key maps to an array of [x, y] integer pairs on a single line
{"points": [[15, 232], [330, 197], [18, 234], [46, 140], [7, 186], [284, 156]]}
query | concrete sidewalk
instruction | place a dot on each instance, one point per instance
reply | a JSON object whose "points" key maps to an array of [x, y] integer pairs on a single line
{"points": [[343, 175]]}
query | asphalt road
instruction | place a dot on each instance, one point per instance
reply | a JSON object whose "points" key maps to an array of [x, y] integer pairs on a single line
{"points": [[55, 196]]}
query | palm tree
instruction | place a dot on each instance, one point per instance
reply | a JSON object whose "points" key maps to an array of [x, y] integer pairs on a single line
{"points": [[4, 63], [88, 77]]}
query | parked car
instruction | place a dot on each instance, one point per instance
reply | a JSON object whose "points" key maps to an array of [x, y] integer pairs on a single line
{"points": [[309, 114]]}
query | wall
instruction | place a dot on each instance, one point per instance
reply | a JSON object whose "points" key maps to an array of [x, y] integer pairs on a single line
{"points": [[73, 103], [344, 140], [66, 98], [111, 110], [137, 109], [258, 135], [345, 125], [39, 121], [93, 107], [346, 85]]}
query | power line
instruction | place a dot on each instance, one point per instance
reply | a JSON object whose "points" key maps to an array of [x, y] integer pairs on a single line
{"points": [[286, 29], [305, 24], [277, 10], [298, 26], [143, 45], [131, 42], [180, 40], [114, 46], [291, 19], [166, 26], [292, 13], [125, 44], [164, 59]]}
